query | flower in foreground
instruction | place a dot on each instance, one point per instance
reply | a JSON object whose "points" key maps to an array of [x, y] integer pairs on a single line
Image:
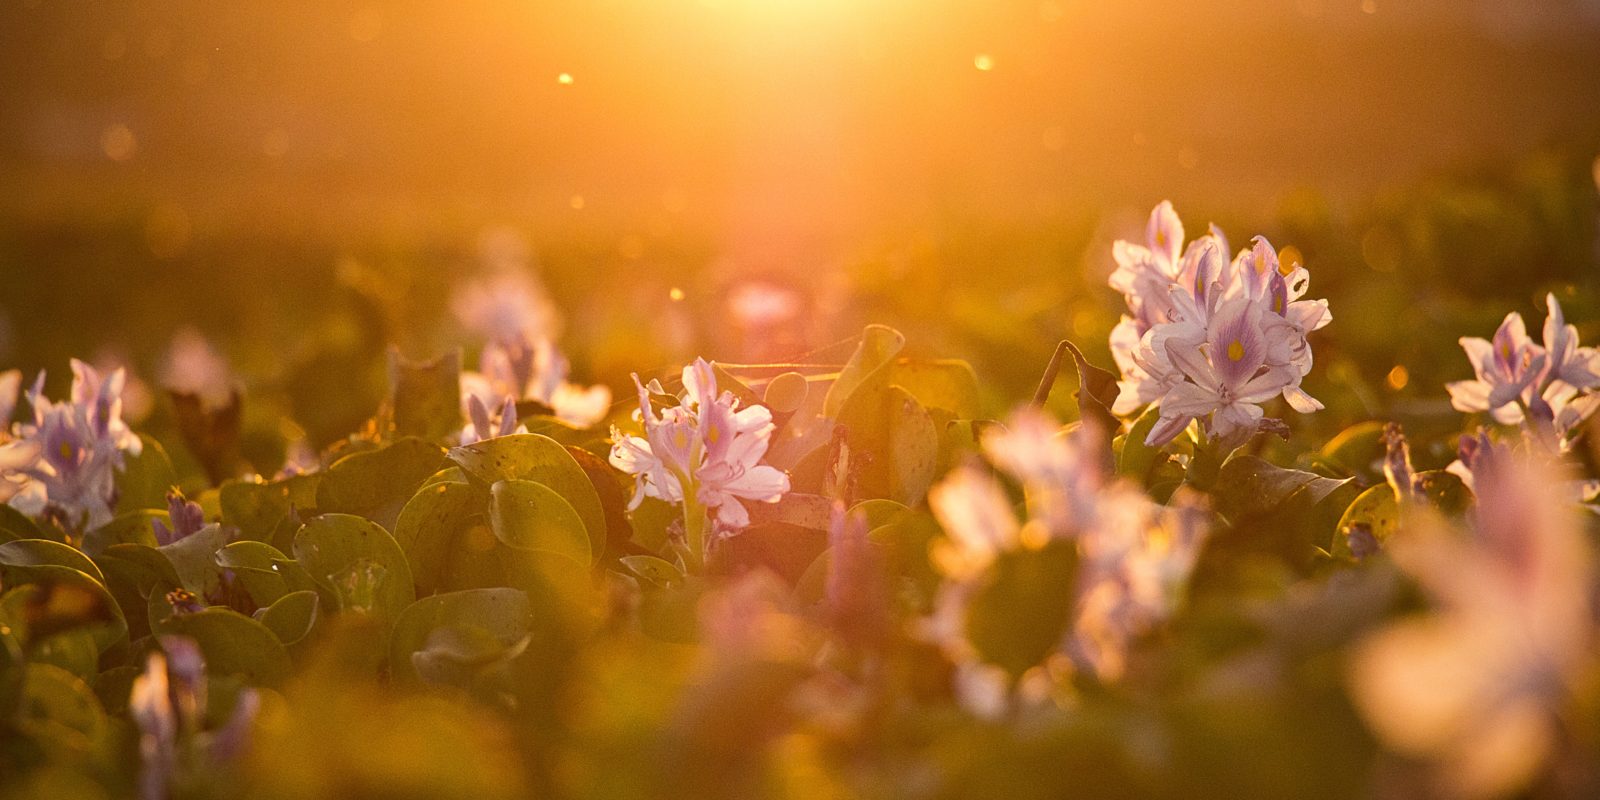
{"points": [[64, 462], [168, 705], [1207, 338], [704, 452], [1476, 687], [1133, 557]]}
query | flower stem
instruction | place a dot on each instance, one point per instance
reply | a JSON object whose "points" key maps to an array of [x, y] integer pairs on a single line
{"points": [[694, 529]]}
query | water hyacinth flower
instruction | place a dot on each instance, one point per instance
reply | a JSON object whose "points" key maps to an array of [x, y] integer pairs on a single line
{"points": [[1207, 338], [1518, 381], [64, 462], [168, 705], [187, 519], [1135, 555], [481, 424], [704, 453], [520, 360], [1477, 687]]}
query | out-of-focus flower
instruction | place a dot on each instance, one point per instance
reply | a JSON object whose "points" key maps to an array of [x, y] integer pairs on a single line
{"points": [[1547, 388], [1477, 687], [483, 425], [168, 706], [506, 306], [65, 461], [1136, 567], [1208, 338], [10, 388], [1134, 555], [705, 452], [187, 519], [194, 367], [533, 369]]}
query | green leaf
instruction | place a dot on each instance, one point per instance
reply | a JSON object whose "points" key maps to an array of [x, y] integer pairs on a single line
{"points": [[43, 599], [291, 617], [130, 527], [531, 516], [233, 644], [16, 557], [1376, 508], [1249, 486], [145, 478], [949, 384], [259, 568], [504, 613], [658, 571], [377, 483], [1358, 450], [194, 559], [1019, 616], [1136, 459], [425, 396], [879, 345], [897, 433], [786, 392], [433, 528], [256, 508], [73, 650], [531, 457], [60, 712], [16, 525], [331, 546]]}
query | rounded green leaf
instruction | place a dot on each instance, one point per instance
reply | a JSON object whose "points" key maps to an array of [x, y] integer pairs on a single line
{"points": [[18, 556], [338, 548], [531, 457], [377, 483], [431, 527], [531, 516], [59, 710], [145, 478], [504, 613], [233, 644], [291, 617]]}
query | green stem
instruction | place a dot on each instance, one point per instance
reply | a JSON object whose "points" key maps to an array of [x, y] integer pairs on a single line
{"points": [[694, 529]]}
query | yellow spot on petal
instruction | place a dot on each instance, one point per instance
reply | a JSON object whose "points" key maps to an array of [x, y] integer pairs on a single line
{"points": [[1290, 259], [1235, 350], [1398, 377]]}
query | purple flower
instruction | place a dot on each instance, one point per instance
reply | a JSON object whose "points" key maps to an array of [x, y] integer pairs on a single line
{"points": [[187, 519], [1173, 351], [69, 454]]}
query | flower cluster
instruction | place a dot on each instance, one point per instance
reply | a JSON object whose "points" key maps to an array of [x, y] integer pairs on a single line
{"points": [[1208, 338], [520, 360], [705, 452], [64, 462], [1548, 388], [1134, 555]]}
